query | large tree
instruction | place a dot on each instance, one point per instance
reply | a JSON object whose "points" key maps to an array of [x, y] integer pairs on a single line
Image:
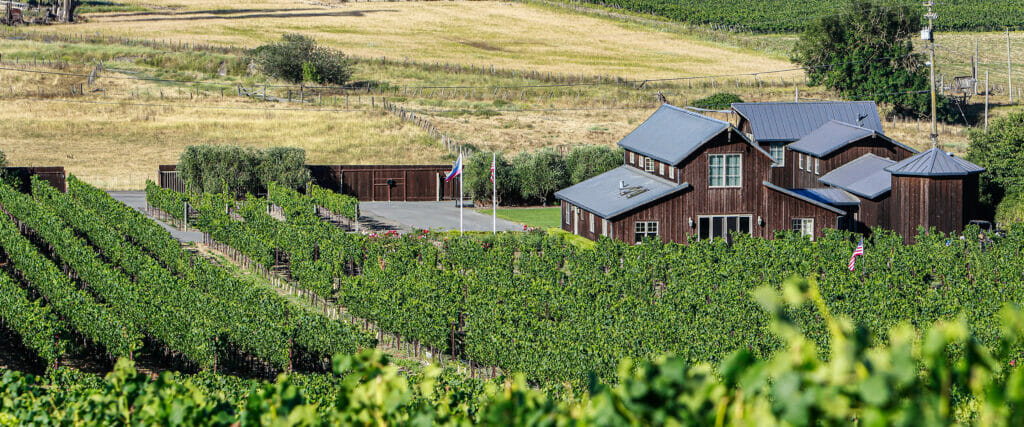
{"points": [[866, 53], [1000, 150]]}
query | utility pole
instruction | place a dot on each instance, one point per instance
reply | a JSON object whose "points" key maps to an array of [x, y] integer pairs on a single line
{"points": [[1009, 66], [987, 90], [929, 35]]}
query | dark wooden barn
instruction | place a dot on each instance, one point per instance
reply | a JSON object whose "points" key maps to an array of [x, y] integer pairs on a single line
{"points": [[787, 166]]}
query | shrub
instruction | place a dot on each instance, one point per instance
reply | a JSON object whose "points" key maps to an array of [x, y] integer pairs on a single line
{"points": [[297, 58], [718, 101], [284, 165], [588, 161], [478, 178], [237, 170], [540, 174], [1001, 152], [1010, 210]]}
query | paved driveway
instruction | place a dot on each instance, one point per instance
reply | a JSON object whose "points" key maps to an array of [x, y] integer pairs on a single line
{"points": [[137, 200], [432, 216]]}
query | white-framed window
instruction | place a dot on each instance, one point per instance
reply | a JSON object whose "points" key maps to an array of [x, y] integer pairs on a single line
{"points": [[632, 157], [604, 227], [800, 157], [649, 164], [591, 222], [817, 169], [645, 229], [672, 172], [804, 226], [719, 226], [778, 152], [661, 168], [725, 170]]}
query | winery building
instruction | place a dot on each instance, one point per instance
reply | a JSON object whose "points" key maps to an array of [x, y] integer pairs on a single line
{"points": [[785, 166]]}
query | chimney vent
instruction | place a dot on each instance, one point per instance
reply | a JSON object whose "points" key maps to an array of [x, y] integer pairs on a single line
{"points": [[622, 185]]}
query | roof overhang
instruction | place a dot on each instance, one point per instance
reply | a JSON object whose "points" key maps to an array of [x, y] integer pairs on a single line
{"points": [[804, 198]]}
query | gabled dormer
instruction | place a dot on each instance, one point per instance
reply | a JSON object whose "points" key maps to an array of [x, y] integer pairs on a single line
{"points": [[664, 144], [833, 145]]}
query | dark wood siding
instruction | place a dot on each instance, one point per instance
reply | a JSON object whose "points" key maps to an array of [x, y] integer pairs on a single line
{"points": [[410, 183], [781, 209], [939, 202], [580, 222], [663, 170], [54, 175], [806, 178], [746, 199], [672, 225], [875, 213]]}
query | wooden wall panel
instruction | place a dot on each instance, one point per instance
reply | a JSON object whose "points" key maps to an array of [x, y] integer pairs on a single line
{"points": [[781, 209], [370, 182]]}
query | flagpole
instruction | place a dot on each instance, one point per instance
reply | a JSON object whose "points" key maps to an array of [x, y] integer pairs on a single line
{"points": [[494, 200], [462, 172]]}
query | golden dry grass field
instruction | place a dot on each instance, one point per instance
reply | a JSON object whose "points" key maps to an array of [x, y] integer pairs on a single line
{"points": [[118, 144], [118, 132], [510, 35]]}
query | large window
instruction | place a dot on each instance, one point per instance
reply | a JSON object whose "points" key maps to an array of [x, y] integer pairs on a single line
{"points": [[672, 172], [632, 157], [804, 226], [817, 164], [725, 170], [645, 229], [591, 222], [720, 226], [778, 152], [661, 168], [801, 158], [648, 164], [604, 227], [568, 213]]}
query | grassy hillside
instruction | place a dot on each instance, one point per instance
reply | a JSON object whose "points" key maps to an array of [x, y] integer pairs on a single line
{"points": [[439, 59]]}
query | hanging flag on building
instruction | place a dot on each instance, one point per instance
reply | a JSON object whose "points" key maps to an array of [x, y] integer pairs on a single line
{"points": [[856, 253], [456, 170]]}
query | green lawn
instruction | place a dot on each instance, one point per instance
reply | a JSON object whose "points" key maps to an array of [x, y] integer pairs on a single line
{"points": [[534, 217]]}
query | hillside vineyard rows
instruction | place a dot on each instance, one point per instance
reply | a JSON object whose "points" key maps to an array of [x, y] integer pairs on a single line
{"points": [[122, 282], [779, 16], [532, 303]]}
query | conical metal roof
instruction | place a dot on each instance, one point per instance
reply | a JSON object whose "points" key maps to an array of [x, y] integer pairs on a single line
{"points": [[934, 162]]}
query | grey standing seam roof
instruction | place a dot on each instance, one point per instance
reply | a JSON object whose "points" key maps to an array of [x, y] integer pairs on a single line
{"points": [[934, 162], [602, 196], [831, 196], [865, 176], [790, 121], [672, 133], [834, 135], [795, 195]]}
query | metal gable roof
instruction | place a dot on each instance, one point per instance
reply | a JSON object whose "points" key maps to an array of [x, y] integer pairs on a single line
{"points": [[934, 162], [798, 196], [672, 133], [866, 176], [830, 137], [603, 196], [790, 121]]}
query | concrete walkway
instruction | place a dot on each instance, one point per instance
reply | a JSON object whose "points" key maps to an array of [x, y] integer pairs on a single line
{"points": [[137, 200], [432, 216]]}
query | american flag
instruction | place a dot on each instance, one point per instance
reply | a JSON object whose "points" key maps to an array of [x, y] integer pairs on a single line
{"points": [[856, 252], [493, 158]]}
